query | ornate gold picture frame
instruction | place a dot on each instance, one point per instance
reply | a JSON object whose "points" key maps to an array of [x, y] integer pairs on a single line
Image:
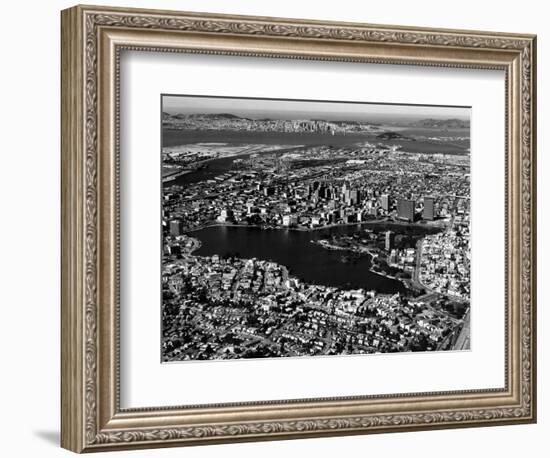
{"points": [[92, 40]]}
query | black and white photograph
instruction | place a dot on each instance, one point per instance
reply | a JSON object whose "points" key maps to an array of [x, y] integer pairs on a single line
{"points": [[306, 228]]}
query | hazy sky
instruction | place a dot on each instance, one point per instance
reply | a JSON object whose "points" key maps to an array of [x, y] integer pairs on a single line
{"points": [[298, 109]]}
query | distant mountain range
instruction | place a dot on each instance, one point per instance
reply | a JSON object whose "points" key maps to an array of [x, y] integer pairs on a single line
{"points": [[442, 123], [213, 117]]}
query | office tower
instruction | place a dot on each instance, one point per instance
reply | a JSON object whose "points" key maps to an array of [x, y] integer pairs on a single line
{"points": [[405, 209], [390, 240], [313, 189], [346, 196], [385, 202], [345, 188], [429, 210], [355, 197]]}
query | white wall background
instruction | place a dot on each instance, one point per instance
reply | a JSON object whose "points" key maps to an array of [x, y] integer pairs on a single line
{"points": [[29, 228]]}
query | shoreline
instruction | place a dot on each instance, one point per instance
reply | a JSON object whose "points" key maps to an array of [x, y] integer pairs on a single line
{"points": [[368, 252], [300, 229], [249, 150], [364, 251], [198, 245], [173, 176], [409, 283]]}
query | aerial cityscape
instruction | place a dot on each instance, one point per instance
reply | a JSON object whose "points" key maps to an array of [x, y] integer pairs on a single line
{"points": [[304, 228]]}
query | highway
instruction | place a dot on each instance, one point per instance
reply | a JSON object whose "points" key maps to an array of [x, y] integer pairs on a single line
{"points": [[463, 339]]}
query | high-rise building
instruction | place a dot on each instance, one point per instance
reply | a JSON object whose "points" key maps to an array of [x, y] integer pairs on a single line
{"points": [[405, 209], [429, 210], [390, 240], [314, 189], [175, 227], [346, 196], [328, 192], [385, 202], [344, 188], [355, 196]]}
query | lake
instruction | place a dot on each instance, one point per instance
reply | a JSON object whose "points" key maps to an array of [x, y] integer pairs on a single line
{"points": [[293, 249]]}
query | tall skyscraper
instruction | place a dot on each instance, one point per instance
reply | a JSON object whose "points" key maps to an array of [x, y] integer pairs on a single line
{"points": [[385, 202], [429, 210], [346, 195], [355, 196], [405, 209], [390, 239]]}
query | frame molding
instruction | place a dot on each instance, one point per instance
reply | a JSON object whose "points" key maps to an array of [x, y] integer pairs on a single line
{"points": [[92, 38]]}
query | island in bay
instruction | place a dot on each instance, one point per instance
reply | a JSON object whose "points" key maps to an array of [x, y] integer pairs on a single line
{"points": [[303, 228]]}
